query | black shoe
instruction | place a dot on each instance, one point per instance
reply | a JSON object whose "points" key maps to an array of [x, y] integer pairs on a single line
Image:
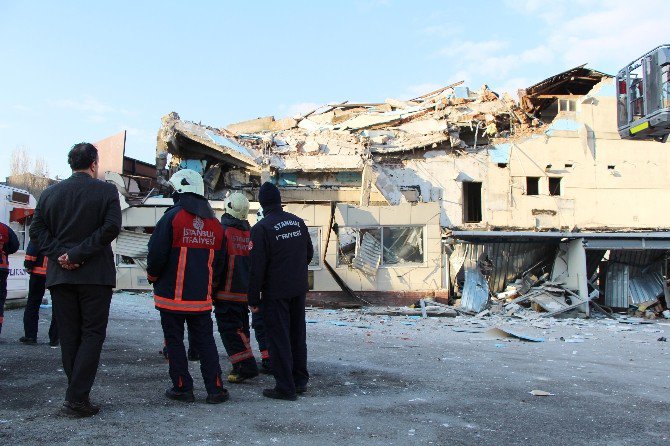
{"points": [[79, 410], [272, 393], [178, 395], [28, 341], [217, 398], [300, 389], [193, 355], [54, 343]]}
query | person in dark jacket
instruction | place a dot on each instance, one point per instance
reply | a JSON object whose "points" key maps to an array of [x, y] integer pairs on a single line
{"points": [[281, 250], [184, 265], [36, 264], [230, 301], [9, 244], [74, 225]]}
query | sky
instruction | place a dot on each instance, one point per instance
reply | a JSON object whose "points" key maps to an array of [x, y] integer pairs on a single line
{"points": [[73, 71]]}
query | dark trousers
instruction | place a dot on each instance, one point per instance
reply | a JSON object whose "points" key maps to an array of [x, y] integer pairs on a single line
{"points": [[202, 335], [3, 295], [259, 333], [286, 336], [82, 312], [31, 314], [232, 320]]}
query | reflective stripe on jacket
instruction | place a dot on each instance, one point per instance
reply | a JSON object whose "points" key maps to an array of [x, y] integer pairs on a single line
{"points": [[35, 261], [184, 261]]}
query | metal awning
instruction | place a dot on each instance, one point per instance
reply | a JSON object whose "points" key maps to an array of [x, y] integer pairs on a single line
{"points": [[592, 240]]}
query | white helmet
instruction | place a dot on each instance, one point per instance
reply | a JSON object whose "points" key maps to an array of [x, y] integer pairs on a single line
{"points": [[187, 180], [237, 205]]}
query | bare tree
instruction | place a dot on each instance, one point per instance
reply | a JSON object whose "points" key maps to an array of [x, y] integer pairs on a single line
{"points": [[20, 162], [28, 173]]}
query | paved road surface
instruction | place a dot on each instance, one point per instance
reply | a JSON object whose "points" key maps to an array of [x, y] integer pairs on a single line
{"points": [[376, 380]]}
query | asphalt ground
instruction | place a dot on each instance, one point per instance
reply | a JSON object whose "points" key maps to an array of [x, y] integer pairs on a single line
{"points": [[375, 380]]}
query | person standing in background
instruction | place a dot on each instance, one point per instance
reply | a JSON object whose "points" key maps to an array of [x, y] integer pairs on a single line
{"points": [[9, 244], [35, 264], [184, 265], [281, 250], [74, 225], [230, 302]]}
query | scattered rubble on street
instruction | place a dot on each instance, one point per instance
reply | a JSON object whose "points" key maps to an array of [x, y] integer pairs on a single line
{"points": [[374, 379]]}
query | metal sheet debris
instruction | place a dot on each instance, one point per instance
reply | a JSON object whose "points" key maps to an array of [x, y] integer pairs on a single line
{"points": [[369, 256], [475, 291], [505, 333]]}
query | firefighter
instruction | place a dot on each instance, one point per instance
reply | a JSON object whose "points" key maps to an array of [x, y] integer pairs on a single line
{"points": [[184, 264], [259, 327], [230, 302], [281, 250], [9, 244], [35, 263]]}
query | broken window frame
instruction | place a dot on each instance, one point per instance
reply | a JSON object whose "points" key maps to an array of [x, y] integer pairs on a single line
{"points": [[377, 231], [316, 244], [567, 105], [535, 187], [555, 186]]}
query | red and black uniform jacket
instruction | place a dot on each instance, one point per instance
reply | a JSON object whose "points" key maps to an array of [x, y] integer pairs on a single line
{"points": [[35, 262], [184, 260], [9, 244], [234, 281]]}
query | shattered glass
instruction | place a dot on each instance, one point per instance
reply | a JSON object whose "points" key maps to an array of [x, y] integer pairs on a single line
{"points": [[314, 234], [402, 245], [346, 249]]}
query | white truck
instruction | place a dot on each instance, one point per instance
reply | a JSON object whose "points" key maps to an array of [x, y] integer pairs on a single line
{"points": [[16, 208]]}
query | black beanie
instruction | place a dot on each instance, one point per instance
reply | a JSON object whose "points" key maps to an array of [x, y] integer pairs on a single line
{"points": [[269, 195]]}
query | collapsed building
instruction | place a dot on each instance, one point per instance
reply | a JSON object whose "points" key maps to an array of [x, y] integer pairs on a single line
{"points": [[456, 194]]}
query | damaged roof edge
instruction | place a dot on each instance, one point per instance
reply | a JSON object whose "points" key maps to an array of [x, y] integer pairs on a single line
{"points": [[221, 146], [471, 235]]}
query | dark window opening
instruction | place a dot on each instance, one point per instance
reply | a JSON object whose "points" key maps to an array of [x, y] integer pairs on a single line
{"points": [[532, 185], [18, 197], [554, 186], [611, 167], [472, 202], [502, 165], [568, 166]]}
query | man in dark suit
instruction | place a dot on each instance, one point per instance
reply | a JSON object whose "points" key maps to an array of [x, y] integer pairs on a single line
{"points": [[75, 222]]}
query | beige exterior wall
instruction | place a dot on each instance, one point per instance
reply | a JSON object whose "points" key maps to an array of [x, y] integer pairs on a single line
{"points": [[414, 277], [632, 194]]}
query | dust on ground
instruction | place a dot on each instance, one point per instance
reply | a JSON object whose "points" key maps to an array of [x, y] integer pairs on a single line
{"points": [[375, 380]]}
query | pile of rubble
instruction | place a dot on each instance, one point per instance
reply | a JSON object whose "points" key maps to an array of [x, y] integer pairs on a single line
{"points": [[342, 137], [548, 299]]}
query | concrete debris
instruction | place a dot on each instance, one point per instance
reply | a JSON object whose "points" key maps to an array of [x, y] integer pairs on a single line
{"points": [[540, 393], [431, 311], [338, 137]]}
